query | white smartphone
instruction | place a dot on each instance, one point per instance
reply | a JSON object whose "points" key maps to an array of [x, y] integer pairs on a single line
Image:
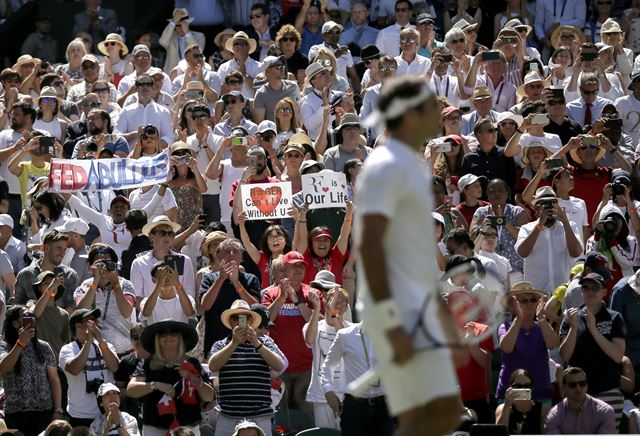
{"points": [[242, 321], [521, 394]]}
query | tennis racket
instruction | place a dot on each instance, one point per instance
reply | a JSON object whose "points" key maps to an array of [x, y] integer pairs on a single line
{"points": [[470, 294]]}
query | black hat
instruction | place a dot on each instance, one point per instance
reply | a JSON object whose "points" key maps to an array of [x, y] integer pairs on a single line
{"points": [[425, 18], [264, 314], [598, 263], [619, 175], [594, 278], [369, 52], [148, 337], [635, 75], [79, 315]]}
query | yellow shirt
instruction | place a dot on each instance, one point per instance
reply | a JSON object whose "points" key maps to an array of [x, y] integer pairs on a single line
{"points": [[30, 173]]}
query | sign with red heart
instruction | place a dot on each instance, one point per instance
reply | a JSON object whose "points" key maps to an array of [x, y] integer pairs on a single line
{"points": [[265, 201], [324, 190]]}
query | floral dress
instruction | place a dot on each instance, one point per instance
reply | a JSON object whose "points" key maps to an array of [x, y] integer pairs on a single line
{"points": [[189, 201]]}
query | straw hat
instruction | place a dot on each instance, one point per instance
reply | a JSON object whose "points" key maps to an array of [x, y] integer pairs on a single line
{"points": [[241, 36], [546, 193], [531, 77], [218, 39], [112, 37], [25, 59], [517, 24], [534, 144], [160, 220], [210, 238], [555, 36], [241, 307], [525, 288], [574, 154], [464, 25], [48, 91], [181, 145]]}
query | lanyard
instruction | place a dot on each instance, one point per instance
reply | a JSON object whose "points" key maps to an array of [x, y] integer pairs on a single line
{"points": [[86, 195], [364, 345], [446, 90], [564, 4], [499, 94], [106, 306]]}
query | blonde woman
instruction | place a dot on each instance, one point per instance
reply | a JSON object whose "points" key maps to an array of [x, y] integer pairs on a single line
{"points": [[170, 375], [287, 121], [328, 60], [72, 70], [208, 250]]}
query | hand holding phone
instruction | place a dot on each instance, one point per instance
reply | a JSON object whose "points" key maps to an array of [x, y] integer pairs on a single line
{"points": [[242, 321]]}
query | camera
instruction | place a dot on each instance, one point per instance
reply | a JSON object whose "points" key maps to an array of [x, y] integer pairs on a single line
{"points": [[92, 146], [110, 265], [613, 123], [617, 188], [93, 385]]}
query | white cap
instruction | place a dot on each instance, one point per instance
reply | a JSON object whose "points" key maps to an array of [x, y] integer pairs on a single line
{"points": [[438, 217], [330, 25], [468, 179], [244, 424], [75, 225], [267, 125], [6, 220], [107, 387]]}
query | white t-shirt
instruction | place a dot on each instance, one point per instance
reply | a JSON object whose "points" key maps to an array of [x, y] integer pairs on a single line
{"points": [[81, 404], [320, 348], [503, 267], [629, 109], [576, 210], [393, 184], [213, 142], [138, 199], [166, 309]]}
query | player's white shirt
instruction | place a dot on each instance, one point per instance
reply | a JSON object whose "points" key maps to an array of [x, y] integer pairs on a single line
{"points": [[394, 183], [629, 110]]}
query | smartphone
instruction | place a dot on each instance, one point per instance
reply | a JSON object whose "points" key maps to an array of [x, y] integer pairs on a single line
{"points": [[588, 55], [497, 221], [192, 95], [590, 140], [444, 147], [45, 145], [242, 321], [542, 119], [521, 394], [252, 161], [203, 218], [111, 138], [28, 320], [613, 123], [491, 55], [446, 57], [176, 262], [509, 39], [553, 164], [239, 140], [58, 270], [109, 265]]}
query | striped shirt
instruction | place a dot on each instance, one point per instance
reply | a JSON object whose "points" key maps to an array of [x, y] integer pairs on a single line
{"points": [[245, 380]]}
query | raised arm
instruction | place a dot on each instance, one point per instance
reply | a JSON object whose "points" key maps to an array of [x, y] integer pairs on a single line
{"points": [[251, 249], [345, 230]]}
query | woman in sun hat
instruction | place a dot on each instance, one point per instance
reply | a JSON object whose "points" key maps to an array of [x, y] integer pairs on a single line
{"points": [[47, 116], [171, 385], [116, 65], [525, 341]]}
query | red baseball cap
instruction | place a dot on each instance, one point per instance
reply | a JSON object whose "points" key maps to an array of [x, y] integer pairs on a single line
{"points": [[323, 233], [449, 110], [292, 258]]}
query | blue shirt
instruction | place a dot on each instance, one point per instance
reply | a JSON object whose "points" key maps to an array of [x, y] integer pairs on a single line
{"points": [[424, 51], [309, 39], [364, 35]]}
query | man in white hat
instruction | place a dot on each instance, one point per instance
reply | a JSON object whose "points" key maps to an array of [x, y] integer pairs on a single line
{"points": [[196, 70], [612, 34], [550, 244], [161, 232], [388, 39], [177, 36], [344, 61], [241, 46], [530, 90], [482, 102], [311, 104], [75, 257], [141, 59], [244, 394], [91, 73], [276, 88]]}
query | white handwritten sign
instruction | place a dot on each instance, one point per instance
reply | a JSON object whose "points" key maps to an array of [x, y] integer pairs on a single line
{"points": [[325, 189], [266, 201]]}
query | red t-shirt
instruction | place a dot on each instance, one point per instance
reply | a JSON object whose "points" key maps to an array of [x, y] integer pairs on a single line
{"points": [[589, 185], [473, 377], [468, 211], [287, 332], [264, 265], [334, 263]]}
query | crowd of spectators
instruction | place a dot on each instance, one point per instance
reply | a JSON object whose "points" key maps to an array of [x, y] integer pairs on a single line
{"points": [[166, 308]]}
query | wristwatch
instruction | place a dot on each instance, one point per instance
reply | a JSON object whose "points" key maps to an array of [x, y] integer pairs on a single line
{"points": [[153, 386], [59, 410]]}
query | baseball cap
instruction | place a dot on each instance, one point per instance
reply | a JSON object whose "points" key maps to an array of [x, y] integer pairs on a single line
{"points": [[468, 179], [75, 225], [256, 150], [6, 220], [121, 198], [236, 94], [324, 233], [594, 278], [79, 315], [107, 387], [264, 314], [330, 25], [267, 125], [292, 258], [270, 61], [598, 263], [310, 164], [89, 58], [620, 175], [140, 48], [449, 110], [425, 18]]}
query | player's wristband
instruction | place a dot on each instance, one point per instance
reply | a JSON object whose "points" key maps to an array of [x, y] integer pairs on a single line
{"points": [[21, 343], [387, 314]]}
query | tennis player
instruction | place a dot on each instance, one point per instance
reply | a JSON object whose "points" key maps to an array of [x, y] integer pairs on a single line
{"points": [[401, 307]]}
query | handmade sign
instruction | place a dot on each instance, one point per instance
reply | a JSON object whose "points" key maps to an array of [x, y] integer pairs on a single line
{"points": [[73, 175], [325, 189], [265, 201]]}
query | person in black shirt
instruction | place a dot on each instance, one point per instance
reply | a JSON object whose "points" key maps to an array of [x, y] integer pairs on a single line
{"points": [[559, 124], [127, 367], [134, 220], [489, 160], [219, 290]]}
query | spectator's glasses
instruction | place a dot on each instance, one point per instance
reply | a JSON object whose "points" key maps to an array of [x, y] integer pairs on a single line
{"points": [[489, 235], [293, 155], [89, 66], [575, 384], [585, 92], [256, 16], [92, 104], [534, 85], [556, 102], [457, 41], [235, 82], [48, 100], [567, 37], [201, 117], [197, 55], [100, 90], [588, 146], [288, 39], [144, 84], [387, 67], [168, 333], [241, 44], [334, 33], [285, 110], [407, 40], [608, 3], [532, 300], [163, 233], [351, 128], [57, 83], [278, 67], [275, 237], [142, 57], [110, 43], [521, 386]]}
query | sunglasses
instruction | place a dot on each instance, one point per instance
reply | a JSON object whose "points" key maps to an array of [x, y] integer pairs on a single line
{"points": [[387, 68], [567, 37], [232, 101], [588, 146], [256, 16], [489, 235], [574, 384], [241, 44], [531, 300], [91, 105], [142, 57], [605, 3], [278, 67], [57, 83], [89, 67], [198, 55], [100, 90], [334, 33], [402, 9], [235, 82], [288, 39], [144, 84], [285, 110], [521, 385], [407, 40], [267, 136], [163, 233], [585, 92], [556, 102], [293, 156], [457, 41], [110, 43], [48, 100], [199, 117]]}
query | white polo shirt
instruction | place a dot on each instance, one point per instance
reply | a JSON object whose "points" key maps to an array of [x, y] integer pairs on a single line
{"points": [[141, 275]]}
